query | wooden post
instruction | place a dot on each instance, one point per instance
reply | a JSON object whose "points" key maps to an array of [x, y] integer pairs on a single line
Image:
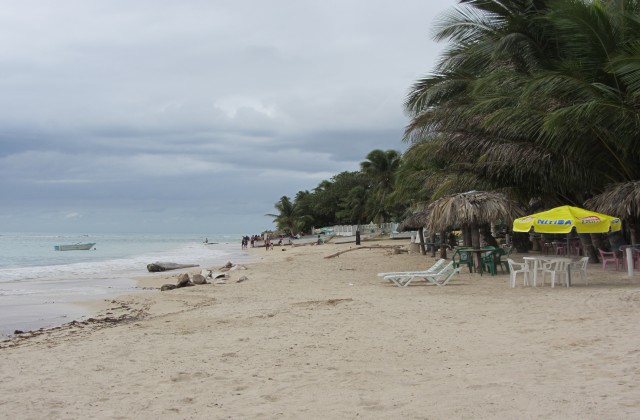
{"points": [[423, 251]]}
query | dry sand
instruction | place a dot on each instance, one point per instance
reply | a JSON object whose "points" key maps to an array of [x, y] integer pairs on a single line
{"points": [[306, 337]]}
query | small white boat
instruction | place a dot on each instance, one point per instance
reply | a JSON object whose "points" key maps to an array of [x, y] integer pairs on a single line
{"points": [[75, 247]]}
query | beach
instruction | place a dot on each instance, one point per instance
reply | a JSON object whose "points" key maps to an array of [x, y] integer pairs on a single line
{"points": [[306, 336]]}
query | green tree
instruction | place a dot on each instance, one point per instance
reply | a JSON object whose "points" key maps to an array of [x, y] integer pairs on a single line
{"points": [[380, 170], [289, 218], [535, 96]]}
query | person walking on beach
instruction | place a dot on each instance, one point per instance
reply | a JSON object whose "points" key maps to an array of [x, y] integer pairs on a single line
{"points": [[267, 243]]}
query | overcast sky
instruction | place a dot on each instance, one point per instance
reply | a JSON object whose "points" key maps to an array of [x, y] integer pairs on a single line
{"points": [[195, 115]]}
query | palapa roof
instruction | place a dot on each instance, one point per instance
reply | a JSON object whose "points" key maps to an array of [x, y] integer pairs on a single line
{"points": [[473, 207], [414, 221], [622, 200]]}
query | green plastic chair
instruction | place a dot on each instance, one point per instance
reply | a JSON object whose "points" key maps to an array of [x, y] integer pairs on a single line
{"points": [[462, 256], [506, 253], [489, 262]]}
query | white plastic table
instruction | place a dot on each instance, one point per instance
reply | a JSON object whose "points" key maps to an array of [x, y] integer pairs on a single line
{"points": [[537, 259]]}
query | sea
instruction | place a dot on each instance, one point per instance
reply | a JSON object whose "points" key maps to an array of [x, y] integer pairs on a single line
{"points": [[44, 288]]}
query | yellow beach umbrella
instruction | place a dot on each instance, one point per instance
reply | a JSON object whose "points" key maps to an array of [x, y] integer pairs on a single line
{"points": [[564, 219]]}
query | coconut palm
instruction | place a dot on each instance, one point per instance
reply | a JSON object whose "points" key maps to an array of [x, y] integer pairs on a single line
{"points": [[380, 168], [534, 95], [288, 219], [354, 206]]}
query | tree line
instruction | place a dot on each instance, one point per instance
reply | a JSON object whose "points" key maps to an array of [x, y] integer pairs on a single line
{"points": [[537, 99]]}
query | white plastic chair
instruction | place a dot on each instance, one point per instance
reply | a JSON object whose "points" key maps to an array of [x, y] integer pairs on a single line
{"points": [[556, 268], [581, 267], [515, 268]]}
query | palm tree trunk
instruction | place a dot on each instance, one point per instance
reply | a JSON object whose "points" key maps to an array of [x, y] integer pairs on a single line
{"points": [[466, 236], [597, 241], [443, 244], [475, 243], [633, 230], [588, 250], [486, 236], [433, 245], [616, 239], [423, 251]]}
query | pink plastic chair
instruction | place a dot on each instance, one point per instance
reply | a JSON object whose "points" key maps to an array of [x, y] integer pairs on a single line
{"points": [[609, 257]]}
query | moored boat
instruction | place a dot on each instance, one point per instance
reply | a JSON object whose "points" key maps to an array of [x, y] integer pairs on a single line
{"points": [[75, 247]]}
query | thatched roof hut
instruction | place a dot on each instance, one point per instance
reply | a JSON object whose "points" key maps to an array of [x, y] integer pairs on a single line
{"points": [[470, 210], [414, 221], [622, 200]]}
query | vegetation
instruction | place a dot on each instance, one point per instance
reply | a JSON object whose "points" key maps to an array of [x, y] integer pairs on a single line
{"points": [[537, 99]]}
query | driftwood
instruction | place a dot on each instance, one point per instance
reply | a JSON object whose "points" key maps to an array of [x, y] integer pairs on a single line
{"points": [[165, 266], [364, 247]]}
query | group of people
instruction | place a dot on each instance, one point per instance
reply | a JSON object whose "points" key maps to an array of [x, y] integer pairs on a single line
{"points": [[246, 240], [251, 240]]}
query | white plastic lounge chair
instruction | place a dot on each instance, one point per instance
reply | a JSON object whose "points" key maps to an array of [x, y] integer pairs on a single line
{"points": [[434, 268], [439, 278]]}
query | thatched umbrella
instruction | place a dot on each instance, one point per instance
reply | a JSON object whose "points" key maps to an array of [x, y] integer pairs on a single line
{"points": [[416, 221], [623, 200], [470, 210]]}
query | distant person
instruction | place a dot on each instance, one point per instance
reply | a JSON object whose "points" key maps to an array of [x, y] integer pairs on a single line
{"points": [[267, 244], [206, 240]]}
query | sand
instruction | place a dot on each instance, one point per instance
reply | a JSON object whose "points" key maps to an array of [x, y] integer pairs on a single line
{"points": [[306, 337]]}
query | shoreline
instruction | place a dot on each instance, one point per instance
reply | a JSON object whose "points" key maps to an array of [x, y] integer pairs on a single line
{"points": [[40, 302], [316, 337]]}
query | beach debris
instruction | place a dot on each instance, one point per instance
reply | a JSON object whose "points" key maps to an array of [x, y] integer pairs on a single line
{"points": [[184, 280], [226, 267], [18, 332], [199, 279], [165, 266], [241, 279], [238, 267], [364, 247], [167, 287]]}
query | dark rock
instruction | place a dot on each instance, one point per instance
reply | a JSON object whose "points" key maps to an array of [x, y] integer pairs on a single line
{"points": [[167, 287], [18, 332]]}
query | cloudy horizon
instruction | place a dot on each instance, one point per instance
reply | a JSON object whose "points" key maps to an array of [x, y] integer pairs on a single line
{"points": [[197, 116]]}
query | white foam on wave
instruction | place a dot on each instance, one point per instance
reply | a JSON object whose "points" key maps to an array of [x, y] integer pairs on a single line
{"points": [[123, 267]]}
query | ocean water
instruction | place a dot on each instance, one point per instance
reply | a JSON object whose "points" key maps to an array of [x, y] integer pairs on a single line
{"points": [[40, 287]]}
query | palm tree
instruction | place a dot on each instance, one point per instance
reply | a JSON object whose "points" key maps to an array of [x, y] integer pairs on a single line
{"points": [[288, 219], [534, 95], [354, 206], [380, 168]]}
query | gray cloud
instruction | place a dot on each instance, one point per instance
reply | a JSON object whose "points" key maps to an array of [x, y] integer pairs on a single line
{"points": [[119, 115]]}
